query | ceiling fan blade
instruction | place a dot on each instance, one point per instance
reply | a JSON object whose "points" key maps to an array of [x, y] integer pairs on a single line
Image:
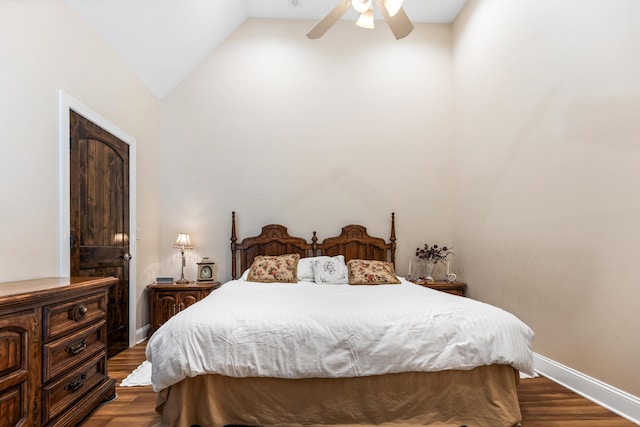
{"points": [[328, 21], [399, 23]]}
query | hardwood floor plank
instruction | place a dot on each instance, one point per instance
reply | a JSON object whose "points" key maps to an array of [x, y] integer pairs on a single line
{"points": [[543, 403]]}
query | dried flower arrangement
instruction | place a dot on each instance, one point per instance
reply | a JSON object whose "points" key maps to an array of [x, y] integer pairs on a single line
{"points": [[433, 253]]}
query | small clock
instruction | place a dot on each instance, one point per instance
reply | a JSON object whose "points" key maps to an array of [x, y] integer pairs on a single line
{"points": [[205, 270]]}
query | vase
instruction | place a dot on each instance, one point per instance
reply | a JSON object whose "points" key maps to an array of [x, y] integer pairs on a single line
{"points": [[421, 270], [429, 267]]}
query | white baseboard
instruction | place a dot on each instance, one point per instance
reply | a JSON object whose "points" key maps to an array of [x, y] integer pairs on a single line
{"points": [[141, 334], [622, 403]]}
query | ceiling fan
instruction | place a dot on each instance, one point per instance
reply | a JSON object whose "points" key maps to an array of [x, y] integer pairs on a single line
{"points": [[391, 10]]}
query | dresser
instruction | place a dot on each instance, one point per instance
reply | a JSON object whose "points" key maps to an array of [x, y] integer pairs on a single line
{"points": [[168, 299], [53, 358]]}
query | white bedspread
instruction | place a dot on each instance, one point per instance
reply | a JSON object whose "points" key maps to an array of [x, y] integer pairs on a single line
{"points": [[308, 330]]}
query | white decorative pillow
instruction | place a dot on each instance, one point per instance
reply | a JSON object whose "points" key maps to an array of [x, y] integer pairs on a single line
{"points": [[305, 269], [330, 270]]}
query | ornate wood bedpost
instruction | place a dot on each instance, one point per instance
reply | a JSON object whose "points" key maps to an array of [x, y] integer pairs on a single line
{"points": [[234, 239], [314, 244], [392, 239]]}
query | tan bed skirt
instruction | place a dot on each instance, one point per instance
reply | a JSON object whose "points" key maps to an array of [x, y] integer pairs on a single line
{"points": [[485, 396]]}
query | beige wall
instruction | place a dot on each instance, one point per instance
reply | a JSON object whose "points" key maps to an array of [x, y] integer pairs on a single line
{"points": [[314, 135], [547, 213], [46, 48], [538, 195]]}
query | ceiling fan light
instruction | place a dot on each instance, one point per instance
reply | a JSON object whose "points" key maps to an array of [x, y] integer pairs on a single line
{"points": [[361, 6], [366, 19], [392, 6]]}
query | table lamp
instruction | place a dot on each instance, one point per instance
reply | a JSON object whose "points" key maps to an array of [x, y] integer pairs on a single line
{"points": [[183, 242]]}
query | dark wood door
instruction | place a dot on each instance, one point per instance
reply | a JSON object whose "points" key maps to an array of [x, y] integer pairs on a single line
{"points": [[99, 169]]}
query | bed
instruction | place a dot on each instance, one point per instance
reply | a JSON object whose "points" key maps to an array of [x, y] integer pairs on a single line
{"points": [[320, 351]]}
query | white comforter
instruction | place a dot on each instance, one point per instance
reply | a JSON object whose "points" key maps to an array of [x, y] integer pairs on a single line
{"points": [[305, 330]]}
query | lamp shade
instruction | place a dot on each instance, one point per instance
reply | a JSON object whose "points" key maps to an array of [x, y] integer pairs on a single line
{"points": [[366, 19], [183, 241], [392, 6], [362, 5]]}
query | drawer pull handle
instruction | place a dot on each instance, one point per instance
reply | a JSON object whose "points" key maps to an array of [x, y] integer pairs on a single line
{"points": [[78, 312], [77, 348], [76, 383]]}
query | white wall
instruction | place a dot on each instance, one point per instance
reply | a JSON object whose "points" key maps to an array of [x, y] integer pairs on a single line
{"points": [[46, 48], [313, 135], [346, 129], [547, 213]]}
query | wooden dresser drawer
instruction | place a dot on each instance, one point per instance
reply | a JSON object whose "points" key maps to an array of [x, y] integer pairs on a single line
{"points": [[15, 333], [17, 370], [69, 351], [62, 394], [62, 318], [14, 402], [53, 356]]}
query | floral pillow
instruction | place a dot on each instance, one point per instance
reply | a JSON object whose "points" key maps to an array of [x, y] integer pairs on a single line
{"points": [[281, 268], [330, 270], [365, 272]]}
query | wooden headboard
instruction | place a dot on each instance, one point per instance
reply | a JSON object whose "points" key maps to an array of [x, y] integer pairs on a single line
{"points": [[353, 242]]}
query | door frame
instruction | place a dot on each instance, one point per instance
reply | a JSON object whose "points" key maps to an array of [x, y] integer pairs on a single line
{"points": [[66, 103]]}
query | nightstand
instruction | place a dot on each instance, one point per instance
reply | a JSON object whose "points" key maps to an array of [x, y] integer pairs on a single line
{"points": [[168, 299], [455, 288]]}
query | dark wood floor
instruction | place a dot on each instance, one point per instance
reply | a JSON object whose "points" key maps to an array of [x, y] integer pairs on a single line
{"points": [[543, 402]]}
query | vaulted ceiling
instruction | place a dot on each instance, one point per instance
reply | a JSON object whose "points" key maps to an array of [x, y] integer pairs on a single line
{"points": [[162, 41]]}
